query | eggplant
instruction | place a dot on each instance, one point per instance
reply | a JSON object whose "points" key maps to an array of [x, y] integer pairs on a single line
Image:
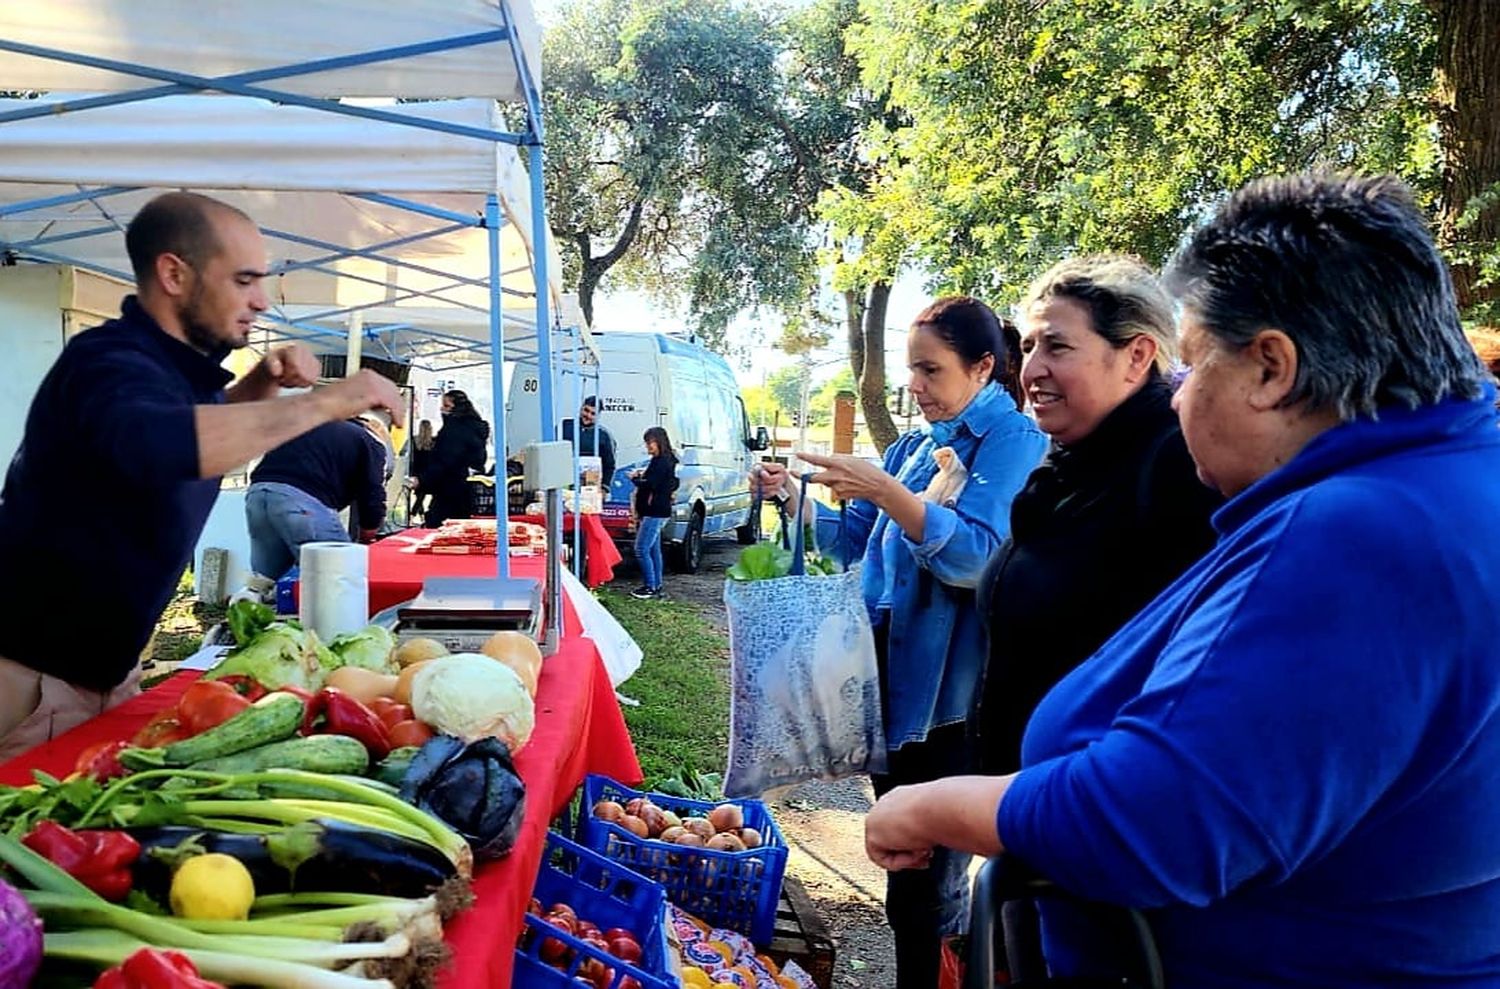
{"points": [[314, 856], [473, 788]]}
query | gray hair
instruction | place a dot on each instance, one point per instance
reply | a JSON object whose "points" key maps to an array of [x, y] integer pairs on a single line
{"points": [[1345, 266], [1124, 299]]}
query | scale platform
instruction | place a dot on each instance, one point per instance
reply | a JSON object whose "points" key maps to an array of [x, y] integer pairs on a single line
{"points": [[462, 612]]}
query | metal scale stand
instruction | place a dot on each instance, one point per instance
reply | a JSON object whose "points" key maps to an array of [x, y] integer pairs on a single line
{"points": [[462, 612]]}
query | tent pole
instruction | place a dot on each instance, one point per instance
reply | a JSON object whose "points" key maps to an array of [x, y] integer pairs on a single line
{"points": [[539, 234], [497, 381]]}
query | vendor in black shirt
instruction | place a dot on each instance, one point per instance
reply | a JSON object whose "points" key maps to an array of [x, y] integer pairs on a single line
{"points": [[593, 440], [298, 489], [88, 559]]}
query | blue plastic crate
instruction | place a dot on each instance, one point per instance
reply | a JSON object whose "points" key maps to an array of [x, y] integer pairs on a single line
{"points": [[606, 894], [734, 890]]}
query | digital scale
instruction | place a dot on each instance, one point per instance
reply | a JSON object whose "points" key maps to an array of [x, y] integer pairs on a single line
{"points": [[463, 612]]}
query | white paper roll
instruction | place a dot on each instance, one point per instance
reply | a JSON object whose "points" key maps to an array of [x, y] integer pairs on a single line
{"points": [[335, 592]]}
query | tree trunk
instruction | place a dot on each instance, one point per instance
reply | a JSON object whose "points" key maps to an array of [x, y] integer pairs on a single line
{"points": [[854, 310], [872, 382], [588, 280], [1467, 96]]}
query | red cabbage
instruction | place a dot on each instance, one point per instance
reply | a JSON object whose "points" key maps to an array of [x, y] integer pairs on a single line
{"points": [[20, 939]]}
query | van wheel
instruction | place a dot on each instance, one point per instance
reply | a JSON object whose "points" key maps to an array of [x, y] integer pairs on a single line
{"points": [[690, 550], [749, 533]]}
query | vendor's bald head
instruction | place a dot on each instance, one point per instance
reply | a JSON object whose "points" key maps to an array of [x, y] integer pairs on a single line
{"points": [[199, 266]]}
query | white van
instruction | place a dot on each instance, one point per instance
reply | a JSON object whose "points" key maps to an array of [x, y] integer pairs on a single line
{"points": [[655, 379]]}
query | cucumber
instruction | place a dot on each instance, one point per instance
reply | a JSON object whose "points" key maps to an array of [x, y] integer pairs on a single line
{"points": [[336, 754], [270, 719]]}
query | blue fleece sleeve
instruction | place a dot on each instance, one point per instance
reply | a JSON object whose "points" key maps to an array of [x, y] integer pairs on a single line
{"points": [[1265, 730], [130, 420], [958, 541]]}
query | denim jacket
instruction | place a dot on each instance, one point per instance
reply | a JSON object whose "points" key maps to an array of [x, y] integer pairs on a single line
{"points": [[937, 643]]}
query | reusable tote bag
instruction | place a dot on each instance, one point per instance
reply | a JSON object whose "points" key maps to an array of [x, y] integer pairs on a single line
{"points": [[805, 690]]}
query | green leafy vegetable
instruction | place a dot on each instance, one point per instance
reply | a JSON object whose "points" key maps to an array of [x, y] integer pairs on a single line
{"points": [[372, 648], [281, 655], [247, 619], [762, 561]]}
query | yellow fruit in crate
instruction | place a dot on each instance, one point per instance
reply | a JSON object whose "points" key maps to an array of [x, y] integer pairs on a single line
{"points": [[212, 887], [696, 978]]}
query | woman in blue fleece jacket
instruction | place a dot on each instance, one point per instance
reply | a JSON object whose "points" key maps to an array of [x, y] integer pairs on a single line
{"points": [[923, 541], [1291, 758]]}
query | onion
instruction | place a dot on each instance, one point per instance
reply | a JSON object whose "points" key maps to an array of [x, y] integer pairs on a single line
{"points": [[20, 939], [727, 817]]}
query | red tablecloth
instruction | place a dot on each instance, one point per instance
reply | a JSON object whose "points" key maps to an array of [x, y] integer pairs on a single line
{"points": [[579, 729], [600, 554], [396, 574]]}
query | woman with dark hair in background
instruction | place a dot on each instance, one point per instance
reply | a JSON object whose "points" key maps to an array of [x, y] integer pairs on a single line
{"points": [[461, 445], [421, 455], [923, 526], [654, 488]]}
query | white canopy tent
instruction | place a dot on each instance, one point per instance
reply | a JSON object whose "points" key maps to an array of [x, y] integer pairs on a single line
{"points": [[291, 111], [419, 280]]}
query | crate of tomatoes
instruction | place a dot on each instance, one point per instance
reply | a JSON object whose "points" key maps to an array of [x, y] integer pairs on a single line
{"points": [[592, 921]]}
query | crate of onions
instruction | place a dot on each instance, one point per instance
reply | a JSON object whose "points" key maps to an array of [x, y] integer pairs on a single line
{"points": [[721, 862]]}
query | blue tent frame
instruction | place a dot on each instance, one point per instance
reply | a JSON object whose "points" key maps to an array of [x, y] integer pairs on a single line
{"points": [[261, 84]]}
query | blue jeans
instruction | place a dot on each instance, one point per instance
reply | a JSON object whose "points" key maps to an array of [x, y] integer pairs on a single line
{"points": [[281, 519], [648, 551]]}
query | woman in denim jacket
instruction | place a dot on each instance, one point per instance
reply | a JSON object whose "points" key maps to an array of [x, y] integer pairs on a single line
{"points": [[923, 532]]}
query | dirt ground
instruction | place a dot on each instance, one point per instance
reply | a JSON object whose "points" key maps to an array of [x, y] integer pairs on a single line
{"points": [[822, 822]]}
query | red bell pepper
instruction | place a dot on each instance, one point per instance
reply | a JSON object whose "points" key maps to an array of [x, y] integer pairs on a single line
{"points": [[101, 860], [154, 968], [101, 761], [343, 715]]}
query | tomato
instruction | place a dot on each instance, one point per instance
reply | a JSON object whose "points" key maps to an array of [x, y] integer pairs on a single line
{"points": [[390, 712], [409, 732], [208, 703], [101, 761], [164, 729], [247, 685]]}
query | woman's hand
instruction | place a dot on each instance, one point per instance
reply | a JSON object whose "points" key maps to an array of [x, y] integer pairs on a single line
{"points": [[849, 477], [894, 837], [770, 480]]}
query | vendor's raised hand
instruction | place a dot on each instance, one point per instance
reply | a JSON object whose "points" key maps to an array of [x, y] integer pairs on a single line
{"points": [[894, 830], [367, 390], [292, 366], [850, 478]]}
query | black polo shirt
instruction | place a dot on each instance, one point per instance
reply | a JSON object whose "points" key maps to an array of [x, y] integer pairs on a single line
{"points": [[102, 504]]}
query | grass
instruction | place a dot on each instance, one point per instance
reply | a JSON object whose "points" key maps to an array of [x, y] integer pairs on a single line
{"points": [[683, 687], [180, 630]]}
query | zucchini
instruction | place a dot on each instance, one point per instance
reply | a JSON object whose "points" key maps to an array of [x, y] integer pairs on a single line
{"points": [[336, 754], [272, 718]]}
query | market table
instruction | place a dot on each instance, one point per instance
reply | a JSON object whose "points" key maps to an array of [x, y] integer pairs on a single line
{"points": [[579, 730], [600, 554], [396, 573]]}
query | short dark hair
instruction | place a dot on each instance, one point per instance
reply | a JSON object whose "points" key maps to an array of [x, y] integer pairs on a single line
{"points": [[591, 402], [179, 223], [973, 331], [1346, 267]]}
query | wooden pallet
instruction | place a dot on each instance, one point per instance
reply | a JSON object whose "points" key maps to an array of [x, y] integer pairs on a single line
{"points": [[800, 935]]}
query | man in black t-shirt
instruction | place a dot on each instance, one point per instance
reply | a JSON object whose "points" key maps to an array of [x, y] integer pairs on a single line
{"points": [[593, 441], [87, 566]]}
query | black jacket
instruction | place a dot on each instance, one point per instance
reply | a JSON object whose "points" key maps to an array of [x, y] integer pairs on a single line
{"points": [[595, 441], [461, 445], [1100, 528], [338, 463], [653, 495]]}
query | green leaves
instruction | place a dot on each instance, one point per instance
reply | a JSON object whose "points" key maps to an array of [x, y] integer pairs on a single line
{"points": [[762, 561]]}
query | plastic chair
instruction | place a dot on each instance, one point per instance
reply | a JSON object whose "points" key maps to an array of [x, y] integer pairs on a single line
{"points": [[1005, 879]]}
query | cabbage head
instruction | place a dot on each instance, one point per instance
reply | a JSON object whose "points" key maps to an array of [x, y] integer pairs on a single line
{"points": [[372, 648], [281, 655]]}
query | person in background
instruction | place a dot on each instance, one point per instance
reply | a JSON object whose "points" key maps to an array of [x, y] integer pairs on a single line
{"points": [[461, 446], [1117, 494], [421, 455], [654, 488], [593, 441], [298, 489], [1289, 757], [923, 534], [143, 401]]}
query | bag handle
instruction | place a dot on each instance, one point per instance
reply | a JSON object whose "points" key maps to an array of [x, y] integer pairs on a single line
{"points": [[799, 541]]}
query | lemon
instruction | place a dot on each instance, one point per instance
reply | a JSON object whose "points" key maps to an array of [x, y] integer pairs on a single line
{"points": [[212, 887]]}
